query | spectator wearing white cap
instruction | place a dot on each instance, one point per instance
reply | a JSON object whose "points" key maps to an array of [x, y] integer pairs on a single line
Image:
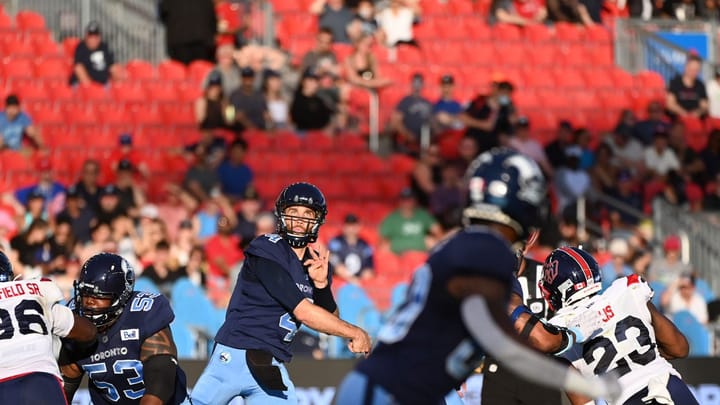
{"points": [[617, 266]]}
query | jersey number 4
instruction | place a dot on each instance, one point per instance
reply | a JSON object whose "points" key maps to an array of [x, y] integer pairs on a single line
{"points": [[27, 314], [608, 359]]}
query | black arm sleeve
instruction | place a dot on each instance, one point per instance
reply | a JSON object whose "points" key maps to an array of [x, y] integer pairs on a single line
{"points": [[276, 281], [70, 386], [159, 373], [323, 298]]}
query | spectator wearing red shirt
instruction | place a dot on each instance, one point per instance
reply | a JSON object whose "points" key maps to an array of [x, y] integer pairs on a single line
{"points": [[224, 258], [230, 23], [127, 153]]}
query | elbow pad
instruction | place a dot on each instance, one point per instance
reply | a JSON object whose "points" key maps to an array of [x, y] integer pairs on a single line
{"points": [[159, 373]]}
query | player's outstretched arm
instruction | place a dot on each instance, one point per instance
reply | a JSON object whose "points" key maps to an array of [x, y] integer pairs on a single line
{"points": [[158, 356], [83, 330], [483, 310], [672, 344], [323, 321]]}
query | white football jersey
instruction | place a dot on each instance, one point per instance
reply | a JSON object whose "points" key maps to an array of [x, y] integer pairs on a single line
{"points": [[31, 317], [627, 342]]}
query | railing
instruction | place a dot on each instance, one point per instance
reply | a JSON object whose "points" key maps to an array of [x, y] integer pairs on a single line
{"points": [[587, 225], [653, 45], [699, 233]]}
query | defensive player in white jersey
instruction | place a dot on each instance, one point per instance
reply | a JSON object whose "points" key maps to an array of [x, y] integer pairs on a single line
{"points": [[31, 316], [635, 339]]}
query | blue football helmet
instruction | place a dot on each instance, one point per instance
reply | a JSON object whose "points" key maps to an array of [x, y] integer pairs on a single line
{"points": [[305, 195], [6, 270], [104, 276], [505, 187], [569, 275]]}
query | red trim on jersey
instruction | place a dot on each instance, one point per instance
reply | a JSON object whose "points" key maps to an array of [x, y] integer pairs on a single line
{"points": [[45, 279], [581, 262], [62, 388], [633, 279], [2, 380]]}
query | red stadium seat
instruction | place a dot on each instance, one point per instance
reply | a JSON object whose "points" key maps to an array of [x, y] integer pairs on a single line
{"points": [[172, 70], [178, 114], [18, 47], [30, 90], [92, 92], [506, 32], [125, 91], [598, 34], [350, 143], [80, 113], [538, 33], [47, 114], [53, 68], [45, 46], [29, 21], [649, 80], [159, 91], [198, 70], [113, 113], [569, 32], [5, 21], [69, 44], [140, 70], [318, 140], [61, 93]]}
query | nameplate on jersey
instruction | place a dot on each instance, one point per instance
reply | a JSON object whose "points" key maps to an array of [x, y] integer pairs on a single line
{"points": [[129, 334]]}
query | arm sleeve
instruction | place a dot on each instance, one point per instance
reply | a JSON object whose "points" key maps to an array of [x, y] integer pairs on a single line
{"points": [[276, 281], [63, 320]]}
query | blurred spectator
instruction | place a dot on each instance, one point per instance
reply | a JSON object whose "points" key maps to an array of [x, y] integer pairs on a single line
{"points": [[467, 152], [130, 193], [447, 110], [266, 223], [518, 12], [88, 187], [321, 58], [555, 150], [190, 29], [93, 60], [224, 259], [163, 271], [711, 154], [617, 267], [278, 103], [34, 209], [213, 145], [686, 93], [361, 67], [201, 179], [681, 295], [571, 182], [62, 246], [16, 124], [78, 214], [150, 233], [571, 11], [627, 152], [406, 228], [625, 192], [674, 189], [488, 116], [396, 22], [230, 23], [604, 172], [448, 195], [335, 16], [29, 246], [686, 10], [350, 255], [210, 109], [529, 146], [668, 267], [626, 121], [712, 88], [126, 151], [227, 69], [711, 201], [110, 207], [250, 107], [247, 217], [176, 206], [646, 9], [205, 220], [426, 175], [364, 22], [660, 158], [583, 139], [196, 267], [100, 241], [655, 121], [308, 110], [52, 191], [691, 164], [183, 243], [234, 174], [641, 262], [411, 116]]}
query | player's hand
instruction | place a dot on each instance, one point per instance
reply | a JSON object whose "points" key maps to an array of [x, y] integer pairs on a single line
{"points": [[586, 325], [318, 267], [360, 343]]}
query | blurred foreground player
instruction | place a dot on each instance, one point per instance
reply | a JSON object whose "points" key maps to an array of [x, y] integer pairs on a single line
{"points": [[283, 284], [457, 302], [134, 360], [31, 316], [635, 340]]}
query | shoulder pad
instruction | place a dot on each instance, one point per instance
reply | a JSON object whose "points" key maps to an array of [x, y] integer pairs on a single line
{"points": [[150, 312], [638, 284], [269, 246], [50, 291]]}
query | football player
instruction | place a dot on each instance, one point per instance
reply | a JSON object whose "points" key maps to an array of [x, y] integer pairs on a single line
{"points": [[635, 338], [134, 360], [456, 307], [31, 316], [283, 284]]}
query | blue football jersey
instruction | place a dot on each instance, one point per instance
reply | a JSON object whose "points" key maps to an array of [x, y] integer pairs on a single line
{"points": [[114, 369], [256, 320], [424, 350]]}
